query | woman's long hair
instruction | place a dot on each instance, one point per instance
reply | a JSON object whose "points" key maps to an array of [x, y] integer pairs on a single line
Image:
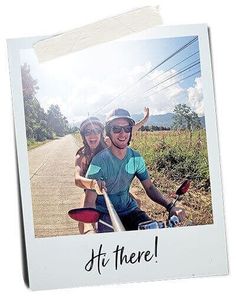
{"points": [[86, 151]]}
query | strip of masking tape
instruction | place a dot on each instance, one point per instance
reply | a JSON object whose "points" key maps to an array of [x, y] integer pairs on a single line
{"points": [[99, 32]]}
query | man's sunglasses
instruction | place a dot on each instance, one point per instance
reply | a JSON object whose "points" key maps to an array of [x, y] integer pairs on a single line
{"points": [[94, 131], [116, 129]]}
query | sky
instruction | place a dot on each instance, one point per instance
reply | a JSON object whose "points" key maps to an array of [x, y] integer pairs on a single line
{"points": [[127, 74]]}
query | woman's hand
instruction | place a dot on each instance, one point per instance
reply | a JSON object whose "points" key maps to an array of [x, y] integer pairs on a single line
{"points": [[98, 186], [146, 112]]}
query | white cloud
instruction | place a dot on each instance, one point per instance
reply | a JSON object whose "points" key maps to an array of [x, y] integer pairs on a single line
{"points": [[161, 98], [87, 97], [195, 97], [80, 95]]}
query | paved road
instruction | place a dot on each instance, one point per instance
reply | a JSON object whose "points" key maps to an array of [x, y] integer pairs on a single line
{"points": [[52, 185]]}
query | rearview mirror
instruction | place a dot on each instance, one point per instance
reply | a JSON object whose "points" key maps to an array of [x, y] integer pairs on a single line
{"points": [[85, 215], [183, 189]]}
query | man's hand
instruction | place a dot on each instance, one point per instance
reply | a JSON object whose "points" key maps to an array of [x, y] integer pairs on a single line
{"points": [[180, 213]]}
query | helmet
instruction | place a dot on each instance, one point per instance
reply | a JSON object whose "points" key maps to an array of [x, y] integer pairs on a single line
{"points": [[116, 114], [90, 120], [119, 113]]}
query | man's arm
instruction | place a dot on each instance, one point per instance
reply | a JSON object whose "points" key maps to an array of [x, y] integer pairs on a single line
{"points": [[157, 197], [154, 193]]}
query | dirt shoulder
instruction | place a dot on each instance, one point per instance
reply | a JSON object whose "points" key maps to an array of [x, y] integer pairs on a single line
{"points": [[196, 203]]}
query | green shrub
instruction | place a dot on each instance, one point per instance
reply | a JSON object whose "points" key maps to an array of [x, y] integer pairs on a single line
{"points": [[175, 154]]}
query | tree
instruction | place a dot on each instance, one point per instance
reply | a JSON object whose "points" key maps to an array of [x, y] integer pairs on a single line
{"points": [[186, 118], [56, 121], [35, 117], [29, 85], [40, 125], [33, 111]]}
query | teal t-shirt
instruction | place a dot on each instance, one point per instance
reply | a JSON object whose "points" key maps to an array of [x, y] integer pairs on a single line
{"points": [[118, 175]]}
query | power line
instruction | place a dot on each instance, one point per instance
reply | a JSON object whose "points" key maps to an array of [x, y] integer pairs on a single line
{"points": [[159, 75], [171, 56], [191, 65], [164, 61], [147, 96], [184, 78]]}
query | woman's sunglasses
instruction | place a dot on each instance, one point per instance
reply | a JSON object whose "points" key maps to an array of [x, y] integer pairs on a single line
{"points": [[94, 131], [116, 129]]}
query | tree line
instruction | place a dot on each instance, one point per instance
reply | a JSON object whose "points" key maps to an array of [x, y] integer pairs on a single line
{"points": [[184, 119], [40, 125], [153, 128]]}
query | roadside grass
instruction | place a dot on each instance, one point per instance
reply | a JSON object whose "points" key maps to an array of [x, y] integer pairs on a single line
{"points": [[170, 157], [31, 144]]}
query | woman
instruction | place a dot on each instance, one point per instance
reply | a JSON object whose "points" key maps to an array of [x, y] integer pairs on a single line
{"points": [[91, 131]]}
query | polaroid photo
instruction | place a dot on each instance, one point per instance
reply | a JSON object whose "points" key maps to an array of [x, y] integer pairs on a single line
{"points": [[118, 160]]}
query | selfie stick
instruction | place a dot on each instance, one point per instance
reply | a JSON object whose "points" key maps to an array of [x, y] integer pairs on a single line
{"points": [[115, 219]]}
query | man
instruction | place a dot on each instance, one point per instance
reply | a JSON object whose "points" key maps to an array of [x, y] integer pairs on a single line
{"points": [[116, 167]]}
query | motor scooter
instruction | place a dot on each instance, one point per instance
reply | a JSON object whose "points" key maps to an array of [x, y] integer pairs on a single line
{"points": [[92, 215]]}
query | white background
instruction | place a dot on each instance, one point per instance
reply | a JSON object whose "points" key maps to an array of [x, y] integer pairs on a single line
{"points": [[34, 18]]}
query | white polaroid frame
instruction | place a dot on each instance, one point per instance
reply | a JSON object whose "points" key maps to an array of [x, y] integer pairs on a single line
{"points": [[60, 262]]}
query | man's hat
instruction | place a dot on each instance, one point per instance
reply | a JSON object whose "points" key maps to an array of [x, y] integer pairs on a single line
{"points": [[119, 113]]}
